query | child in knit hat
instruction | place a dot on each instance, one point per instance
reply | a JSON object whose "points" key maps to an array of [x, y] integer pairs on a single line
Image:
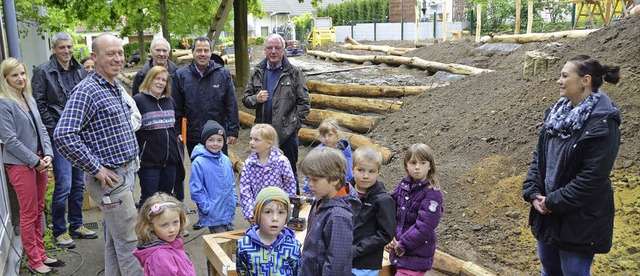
{"points": [[269, 247], [212, 183]]}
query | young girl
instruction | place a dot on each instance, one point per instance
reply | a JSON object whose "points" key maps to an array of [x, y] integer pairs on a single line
{"points": [[418, 213], [266, 166], [329, 136], [161, 222]]}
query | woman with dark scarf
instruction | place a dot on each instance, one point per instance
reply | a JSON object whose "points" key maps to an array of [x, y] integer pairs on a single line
{"points": [[568, 182]]}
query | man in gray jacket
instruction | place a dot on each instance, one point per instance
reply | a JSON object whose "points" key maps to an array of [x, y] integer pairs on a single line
{"points": [[160, 50], [278, 92], [52, 83]]}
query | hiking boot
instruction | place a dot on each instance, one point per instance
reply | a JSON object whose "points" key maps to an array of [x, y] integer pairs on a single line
{"points": [[83, 233], [65, 241]]}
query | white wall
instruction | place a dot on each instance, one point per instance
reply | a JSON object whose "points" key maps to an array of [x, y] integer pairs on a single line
{"points": [[33, 48], [394, 31]]}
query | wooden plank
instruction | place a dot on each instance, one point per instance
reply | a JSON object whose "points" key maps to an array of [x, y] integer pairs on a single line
{"points": [[220, 262]]}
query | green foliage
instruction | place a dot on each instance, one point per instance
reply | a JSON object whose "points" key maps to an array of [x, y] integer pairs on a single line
{"points": [[131, 47], [499, 16], [80, 51], [356, 11], [303, 25], [260, 40], [48, 233]]}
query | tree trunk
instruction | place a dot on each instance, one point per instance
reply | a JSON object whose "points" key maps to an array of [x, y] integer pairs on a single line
{"points": [[355, 104], [356, 140], [415, 62], [357, 123], [536, 37], [164, 22], [368, 91], [143, 53], [352, 44], [240, 10]]}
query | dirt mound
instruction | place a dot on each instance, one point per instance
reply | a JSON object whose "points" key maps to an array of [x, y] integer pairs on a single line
{"points": [[483, 130]]}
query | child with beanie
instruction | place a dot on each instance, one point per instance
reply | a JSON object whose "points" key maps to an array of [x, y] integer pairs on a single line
{"points": [[269, 248], [212, 183]]}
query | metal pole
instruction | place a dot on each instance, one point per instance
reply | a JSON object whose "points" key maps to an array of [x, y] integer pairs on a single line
{"points": [[9, 8], [374, 30], [402, 21], [435, 21], [573, 16]]}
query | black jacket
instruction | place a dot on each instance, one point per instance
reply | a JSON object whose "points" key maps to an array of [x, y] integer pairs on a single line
{"points": [[210, 97], [290, 105], [157, 138], [48, 91], [582, 206], [137, 80], [375, 227]]}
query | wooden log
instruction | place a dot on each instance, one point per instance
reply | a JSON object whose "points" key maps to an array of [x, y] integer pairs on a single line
{"points": [[453, 266], [357, 123], [635, 10], [180, 52], [415, 62], [246, 119], [356, 140], [368, 91], [537, 37], [379, 48], [355, 104], [236, 162], [123, 79], [351, 41]]}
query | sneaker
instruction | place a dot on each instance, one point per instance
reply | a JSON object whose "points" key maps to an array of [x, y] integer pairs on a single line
{"points": [[83, 233], [65, 241], [185, 233], [197, 226]]}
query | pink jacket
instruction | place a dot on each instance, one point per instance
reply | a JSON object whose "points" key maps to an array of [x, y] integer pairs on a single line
{"points": [[165, 258]]}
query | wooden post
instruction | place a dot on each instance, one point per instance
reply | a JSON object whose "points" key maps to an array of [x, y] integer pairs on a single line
{"points": [[529, 16], [444, 20], [415, 34], [518, 9], [478, 21], [608, 12]]}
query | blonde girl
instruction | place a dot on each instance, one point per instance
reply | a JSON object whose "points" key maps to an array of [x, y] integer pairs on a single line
{"points": [[266, 166], [160, 249], [419, 209]]}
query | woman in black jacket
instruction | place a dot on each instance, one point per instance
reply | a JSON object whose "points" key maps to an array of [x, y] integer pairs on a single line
{"points": [[568, 181], [157, 137]]}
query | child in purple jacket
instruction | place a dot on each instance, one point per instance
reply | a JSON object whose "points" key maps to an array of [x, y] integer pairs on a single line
{"points": [[266, 166], [160, 250], [419, 209]]}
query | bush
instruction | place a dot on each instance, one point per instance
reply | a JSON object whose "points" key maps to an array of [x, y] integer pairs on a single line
{"points": [[81, 51], [259, 40], [176, 43]]}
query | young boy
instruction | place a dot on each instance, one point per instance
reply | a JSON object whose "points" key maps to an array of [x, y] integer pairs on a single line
{"points": [[327, 246], [329, 136], [212, 183], [376, 223], [269, 248]]}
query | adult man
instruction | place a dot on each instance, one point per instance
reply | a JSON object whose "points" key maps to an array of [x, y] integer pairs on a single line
{"points": [[203, 90], [278, 92], [96, 135], [52, 83], [160, 50]]}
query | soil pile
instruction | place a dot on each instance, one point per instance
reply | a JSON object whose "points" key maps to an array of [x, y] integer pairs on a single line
{"points": [[483, 130]]}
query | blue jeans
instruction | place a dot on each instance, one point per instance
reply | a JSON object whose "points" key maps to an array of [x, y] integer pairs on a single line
{"points": [[289, 149], [364, 272], [561, 262], [156, 180], [69, 189]]}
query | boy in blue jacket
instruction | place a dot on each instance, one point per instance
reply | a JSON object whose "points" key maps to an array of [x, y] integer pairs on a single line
{"points": [[212, 181], [327, 246]]}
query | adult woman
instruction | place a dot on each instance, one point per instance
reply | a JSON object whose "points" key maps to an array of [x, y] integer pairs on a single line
{"points": [[568, 181], [27, 154], [157, 137], [88, 64]]}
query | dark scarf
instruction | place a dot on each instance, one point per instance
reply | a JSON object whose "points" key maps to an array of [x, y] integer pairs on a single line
{"points": [[564, 119]]}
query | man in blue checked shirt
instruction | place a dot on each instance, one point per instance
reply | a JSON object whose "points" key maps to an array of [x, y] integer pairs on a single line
{"points": [[95, 134]]}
